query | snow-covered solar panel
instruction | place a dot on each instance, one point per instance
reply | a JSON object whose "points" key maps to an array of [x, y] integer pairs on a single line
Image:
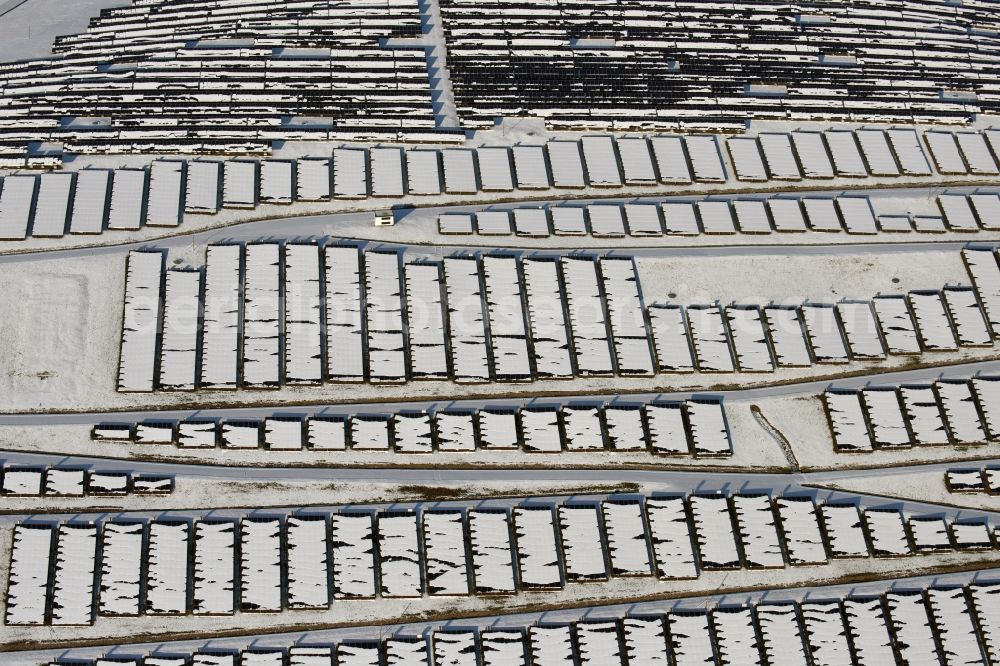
{"points": [[671, 160], [758, 531], [709, 432], [887, 532], [967, 317], [566, 163], [749, 340], [221, 325], [387, 172], [582, 545], [121, 569], [352, 538], [822, 214], [986, 207], [241, 434], [412, 432], [262, 316], [680, 219], [143, 288], [645, 641], [586, 315], [196, 434], [423, 172], [105, 483], [240, 186], [370, 432], [28, 575], [965, 481], [895, 223], [637, 162], [606, 221], [665, 425], [503, 648], [540, 430], [214, 568], [530, 168], [128, 198], [823, 330], [283, 433], [384, 317], [932, 321], [72, 600], [847, 421], [896, 324], [716, 217], [90, 201], [568, 221], [961, 414], [428, 356], [309, 656], [445, 558], [670, 338], [924, 415], [643, 220], [800, 525], [984, 603], [974, 535], [455, 224], [112, 431], [406, 652], [778, 155], [179, 344], [813, 156], [957, 212], [987, 391], [358, 654], [551, 646], [910, 154], [64, 482], [787, 215], [751, 217], [459, 171], [582, 427], [214, 659], [350, 174], [870, 636], [537, 551], [861, 329], [705, 158], [888, 426], [152, 485], [747, 159], [846, 155], [455, 648], [956, 630], [312, 180], [260, 565], [204, 185], [505, 309], [670, 537], [493, 223], [550, 341], [912, 627], [976, 153], [857, 215], [709, 338], [497, 429], [531, 222], [929, 224], [628, 549], [495, 169], [844, 533], [466, 322], [602, 161], [399, 555], [945, 152], [784, 326], [345, 357], [623, 424], [492, 556], [877, 152], [826, 633], [598, 643], [985, 273], [620, 281], [736, 636], [52, 206], [22, 481], [781, 635], [456, 432], [307, 562], [303, 315], [690, 638], [277, 181], [714, 533], [167, 568], [166, 193]]}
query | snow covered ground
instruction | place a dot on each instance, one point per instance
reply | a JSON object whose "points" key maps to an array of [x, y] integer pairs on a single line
{"points": [[28, 27]]}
